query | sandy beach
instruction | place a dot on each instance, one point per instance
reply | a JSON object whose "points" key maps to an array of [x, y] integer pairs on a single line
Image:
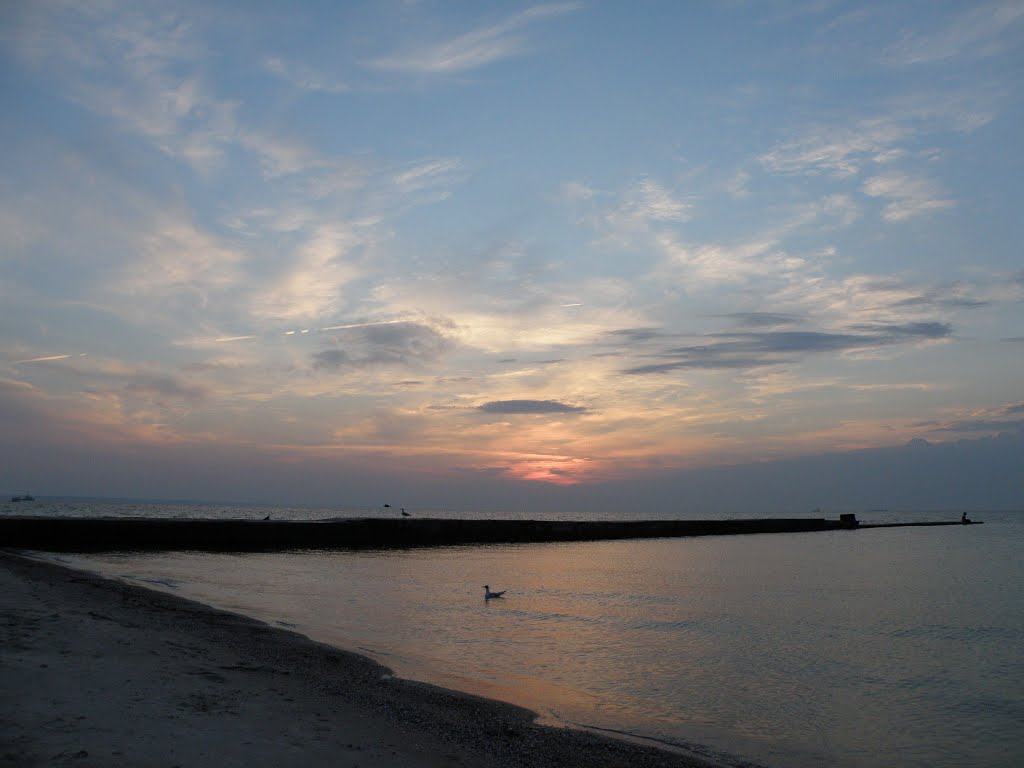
{"points": [[96, 672]]}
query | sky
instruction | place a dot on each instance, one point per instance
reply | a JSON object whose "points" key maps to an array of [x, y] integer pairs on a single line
{"points": [[568, 255]]}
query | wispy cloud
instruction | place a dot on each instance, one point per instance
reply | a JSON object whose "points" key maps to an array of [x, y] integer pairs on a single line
{"points": [[475, 49], [279, 156], [836, 151], [910, 197], [310, 288], [149, 75], [175, 255], [857, 299], [645, 206], [650, 201], [576, 191], [985, 30], [143, 71], [725, 263], [737, 185], [304, 77], [855, 146], [437, 176]]}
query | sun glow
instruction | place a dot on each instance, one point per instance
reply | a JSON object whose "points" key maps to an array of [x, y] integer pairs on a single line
{"points": [[555, 470]]}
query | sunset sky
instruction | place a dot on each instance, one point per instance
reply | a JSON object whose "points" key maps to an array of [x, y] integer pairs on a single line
{"points": [[502, 254]]}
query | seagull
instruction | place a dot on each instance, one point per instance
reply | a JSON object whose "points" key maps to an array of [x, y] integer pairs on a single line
{"points": [[404, 513], [488, 594]]}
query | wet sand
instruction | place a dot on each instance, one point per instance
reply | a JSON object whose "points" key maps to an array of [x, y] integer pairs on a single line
{"points": [[96, 672]]}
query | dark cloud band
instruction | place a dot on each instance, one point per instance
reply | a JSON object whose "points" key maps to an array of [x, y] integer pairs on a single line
{"points": [[529, 407]]}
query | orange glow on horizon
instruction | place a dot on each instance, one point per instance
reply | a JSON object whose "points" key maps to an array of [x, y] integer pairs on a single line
{"points": [[555, 470]]}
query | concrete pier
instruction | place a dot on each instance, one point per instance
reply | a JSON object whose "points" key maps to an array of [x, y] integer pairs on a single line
{"points": [[919, 525], [66, 534], [116, 534]]}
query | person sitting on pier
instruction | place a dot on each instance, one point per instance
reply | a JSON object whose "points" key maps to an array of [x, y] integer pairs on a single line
{"points": [[964, 519]]}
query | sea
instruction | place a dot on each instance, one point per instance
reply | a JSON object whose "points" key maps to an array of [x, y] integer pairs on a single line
{"points": [[899, 646]]}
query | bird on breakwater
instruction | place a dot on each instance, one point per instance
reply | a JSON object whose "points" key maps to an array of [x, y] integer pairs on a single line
{"points": [[404, 513], [488, 595]]}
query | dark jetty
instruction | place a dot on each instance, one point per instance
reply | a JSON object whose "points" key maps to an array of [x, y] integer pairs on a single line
{"points": [[67, 534]]}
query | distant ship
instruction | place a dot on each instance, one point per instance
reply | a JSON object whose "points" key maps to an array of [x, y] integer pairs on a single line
{"points": [[26, 497]]}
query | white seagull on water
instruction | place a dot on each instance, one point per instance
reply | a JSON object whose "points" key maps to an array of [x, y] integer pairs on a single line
{"points": [[488, 594]]}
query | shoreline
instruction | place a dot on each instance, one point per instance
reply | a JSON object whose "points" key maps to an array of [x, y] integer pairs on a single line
{"points": [[97, 671]]}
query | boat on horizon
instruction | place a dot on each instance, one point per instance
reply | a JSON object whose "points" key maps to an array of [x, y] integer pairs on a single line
{"points": [[26, 497]]}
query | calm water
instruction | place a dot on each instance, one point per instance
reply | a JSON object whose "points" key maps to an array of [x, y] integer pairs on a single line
{"points": [[885, 647]]}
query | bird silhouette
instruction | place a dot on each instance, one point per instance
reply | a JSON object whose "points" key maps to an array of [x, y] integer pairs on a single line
{"points": [[488, 595]]}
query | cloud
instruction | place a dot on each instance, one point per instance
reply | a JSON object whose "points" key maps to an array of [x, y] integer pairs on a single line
{"points": [[279, 156], [954, 296], [105, 399], [841, 208], [752, 350], [432, 174], [845, 150], [472, 50], [891, 299], [727, 263], [174, 254], [148, 73], [650, 201], [142, 70], [979, 32], [303, 77], [987, 425], [180, 117], [900, 332], [910, 197], [999, 420], [576, 191], [396, 343], [403, 342], [737, 185], [96, 374], [635, 335], [311, 287], [645, 208], [838, 151], [763, 319], [163, 386], [529, 407], [329, 359], [21, 404]]}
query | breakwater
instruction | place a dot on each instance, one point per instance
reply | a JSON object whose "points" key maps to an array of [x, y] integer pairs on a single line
{"points": [[65, 534]]}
